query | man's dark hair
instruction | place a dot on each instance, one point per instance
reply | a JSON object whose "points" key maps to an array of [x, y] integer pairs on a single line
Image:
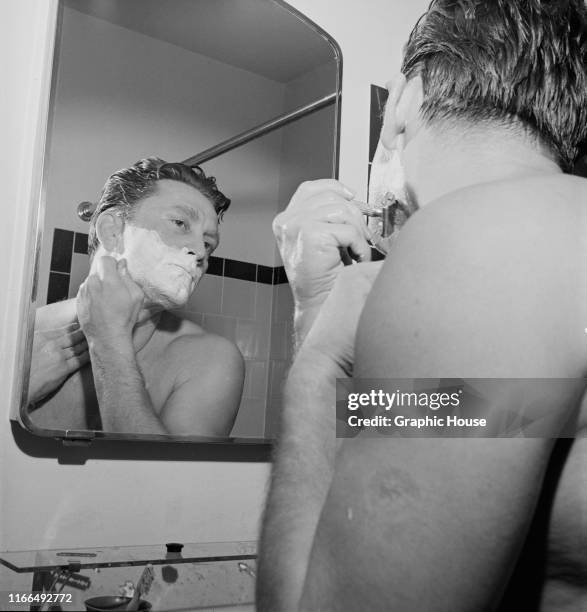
{"points": [[127, 186], [522, 63]]}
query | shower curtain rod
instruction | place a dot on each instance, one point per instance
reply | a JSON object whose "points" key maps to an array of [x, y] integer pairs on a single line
{"points": [[86, 209], [260, 130]]}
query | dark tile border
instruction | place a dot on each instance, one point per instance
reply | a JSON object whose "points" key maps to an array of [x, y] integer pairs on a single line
{"points": [[58, 287], [215, 266], [61, 252], [80, 244], [240, 269], [264, 274]]}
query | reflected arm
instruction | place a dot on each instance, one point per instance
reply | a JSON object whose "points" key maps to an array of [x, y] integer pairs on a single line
{"points": [[125, 404]]}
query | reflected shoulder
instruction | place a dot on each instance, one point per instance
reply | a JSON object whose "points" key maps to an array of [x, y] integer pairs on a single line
{"points": [[193, 342], [57, 314]]}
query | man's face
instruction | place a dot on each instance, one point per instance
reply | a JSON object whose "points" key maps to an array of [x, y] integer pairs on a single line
{"points": [[168, 241]]}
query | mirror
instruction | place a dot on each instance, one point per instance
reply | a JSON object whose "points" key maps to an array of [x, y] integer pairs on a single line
{"points": [[134, 79]]}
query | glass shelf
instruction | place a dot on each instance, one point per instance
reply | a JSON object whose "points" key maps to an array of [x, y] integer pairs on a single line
{"points": [[75, 559]]}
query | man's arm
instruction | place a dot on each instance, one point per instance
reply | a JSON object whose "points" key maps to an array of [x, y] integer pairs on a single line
{"points": [[59, 350], [108, 305], [437, 524], [305, 452], [320, 228], [303, 465], [125, 403]]}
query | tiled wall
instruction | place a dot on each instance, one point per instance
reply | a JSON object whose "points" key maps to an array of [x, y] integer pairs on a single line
{"points": [[247, 303], [280, 353], [70, 264]]}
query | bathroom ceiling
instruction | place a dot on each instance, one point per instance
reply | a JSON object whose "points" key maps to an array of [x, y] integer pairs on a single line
{"points": [[204, 26]]}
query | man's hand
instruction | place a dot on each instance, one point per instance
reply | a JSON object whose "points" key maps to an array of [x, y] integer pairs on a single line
{"points": [[335, 327], [108, 303], [57, 353], [319, 232]]}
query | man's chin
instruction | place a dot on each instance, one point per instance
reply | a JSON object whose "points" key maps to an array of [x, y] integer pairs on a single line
{"points": [[165, 301]]}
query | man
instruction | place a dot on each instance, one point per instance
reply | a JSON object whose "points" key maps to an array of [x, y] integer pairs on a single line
{"points": [[115, 358], [486, 280]]}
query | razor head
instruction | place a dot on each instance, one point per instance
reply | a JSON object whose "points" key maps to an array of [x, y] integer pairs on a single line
{"points": [[386, 219]]}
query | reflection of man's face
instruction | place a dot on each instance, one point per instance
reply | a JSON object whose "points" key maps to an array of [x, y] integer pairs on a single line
{"points": [[168, 241]]}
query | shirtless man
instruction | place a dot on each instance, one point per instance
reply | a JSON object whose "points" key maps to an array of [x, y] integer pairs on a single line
{"points": [[486, 280], [115, 358]]}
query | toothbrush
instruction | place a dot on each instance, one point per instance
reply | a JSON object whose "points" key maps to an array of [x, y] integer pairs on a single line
{"points": [[143, 585]]}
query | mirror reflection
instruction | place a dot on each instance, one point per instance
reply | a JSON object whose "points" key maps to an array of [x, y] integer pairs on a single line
{"points": [[169, 312]]}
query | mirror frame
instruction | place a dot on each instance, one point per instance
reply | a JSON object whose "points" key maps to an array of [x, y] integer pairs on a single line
{"points": [[28, 433]]}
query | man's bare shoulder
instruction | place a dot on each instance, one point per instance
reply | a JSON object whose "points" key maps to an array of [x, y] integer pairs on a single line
{"points": [[194, 364], [486, 281], [55, 315], [552, 198], [186, 339], [524, 219]]}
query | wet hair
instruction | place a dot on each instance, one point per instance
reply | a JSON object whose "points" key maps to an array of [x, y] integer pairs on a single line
{"points": [[522, 63], [127, 187]]}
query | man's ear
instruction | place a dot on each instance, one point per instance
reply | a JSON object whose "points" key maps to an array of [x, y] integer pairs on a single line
{"points": [[109, 228], [402, 109]]}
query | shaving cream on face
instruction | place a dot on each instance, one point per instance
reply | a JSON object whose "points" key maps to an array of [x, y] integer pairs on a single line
{"points": [[387, 182], [387, 174], [167, 275]]}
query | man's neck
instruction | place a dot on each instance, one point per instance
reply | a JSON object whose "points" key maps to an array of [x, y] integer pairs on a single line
{"points": [[438, 162], [145, 328]]}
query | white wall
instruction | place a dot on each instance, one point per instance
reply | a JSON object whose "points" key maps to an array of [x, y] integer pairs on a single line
{"points": [[371, 35], [45, 504], [306, 148]]}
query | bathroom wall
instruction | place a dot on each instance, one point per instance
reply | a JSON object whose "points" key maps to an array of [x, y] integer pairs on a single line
{"points": [[47, 504]]}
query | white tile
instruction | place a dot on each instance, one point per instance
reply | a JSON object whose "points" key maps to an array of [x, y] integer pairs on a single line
{"points": [[283, 304], [238, 298], [263, 302], [278, 372], [258, 379], [80, 268], [246, 337], [207, 297], [279, 340], [250, 420], [223, 326]]}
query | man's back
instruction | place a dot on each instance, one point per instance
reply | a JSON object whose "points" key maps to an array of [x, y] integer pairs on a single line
{"points": [[487, 282]]}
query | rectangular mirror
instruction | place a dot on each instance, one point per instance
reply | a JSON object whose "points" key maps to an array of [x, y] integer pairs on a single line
{"points": [[250, 91]]}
